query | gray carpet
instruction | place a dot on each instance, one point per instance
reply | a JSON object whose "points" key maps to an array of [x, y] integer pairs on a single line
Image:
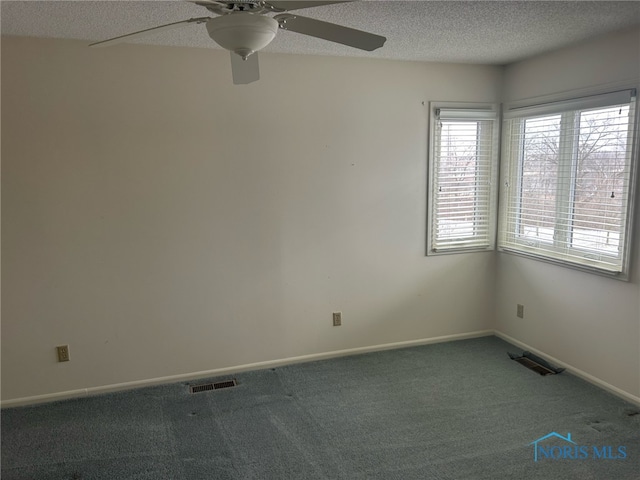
{"points": [[459, 410]]}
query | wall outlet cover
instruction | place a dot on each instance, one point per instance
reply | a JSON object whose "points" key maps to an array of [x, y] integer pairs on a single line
{"points": [[63, 353]]}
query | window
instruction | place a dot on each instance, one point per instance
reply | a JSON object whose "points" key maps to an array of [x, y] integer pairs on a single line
{"points": [[462, 176], [567, 181]]}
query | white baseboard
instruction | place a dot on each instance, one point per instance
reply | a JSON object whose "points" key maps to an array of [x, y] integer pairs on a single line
{"points": [[570, 368], [84, 392]]}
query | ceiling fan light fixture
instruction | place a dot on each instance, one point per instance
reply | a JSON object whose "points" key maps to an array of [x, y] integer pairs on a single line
{"points": [[242, 33]]}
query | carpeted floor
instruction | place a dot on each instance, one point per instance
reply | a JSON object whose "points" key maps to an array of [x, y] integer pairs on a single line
{"points": [[460, 410]]}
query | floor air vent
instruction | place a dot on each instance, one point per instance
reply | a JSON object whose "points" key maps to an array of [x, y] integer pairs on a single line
{"points": [[205, 387], [535, 363], [536, 367]]}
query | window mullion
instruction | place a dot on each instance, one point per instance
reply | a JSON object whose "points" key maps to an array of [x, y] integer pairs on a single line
{"points": [[567, 155]]}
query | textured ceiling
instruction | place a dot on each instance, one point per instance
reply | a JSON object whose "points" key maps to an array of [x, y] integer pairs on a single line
{"points": [[491, 32]]}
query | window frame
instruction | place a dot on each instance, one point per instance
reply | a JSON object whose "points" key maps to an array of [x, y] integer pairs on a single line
{"points": [[565, 105], [465, 112]]}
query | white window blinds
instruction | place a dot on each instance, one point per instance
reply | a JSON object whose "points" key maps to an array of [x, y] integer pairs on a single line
{"points": [[462, 173], [566, 183]]}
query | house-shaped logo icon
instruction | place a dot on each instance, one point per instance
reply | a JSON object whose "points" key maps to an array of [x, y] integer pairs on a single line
{"points": [[550, 435]]}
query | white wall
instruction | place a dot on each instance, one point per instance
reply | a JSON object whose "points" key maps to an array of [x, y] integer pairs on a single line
{"points": [[589, 322], [162, 221]]}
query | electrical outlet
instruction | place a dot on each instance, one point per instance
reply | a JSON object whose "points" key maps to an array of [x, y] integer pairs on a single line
{"points": [[63, 353], [337, 319], [520, 311]]}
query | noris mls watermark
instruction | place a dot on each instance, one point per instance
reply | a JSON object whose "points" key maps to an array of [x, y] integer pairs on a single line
{"points": [[564, 448]]}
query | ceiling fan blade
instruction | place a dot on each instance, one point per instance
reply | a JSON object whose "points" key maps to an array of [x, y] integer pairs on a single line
{"points": [[148, 31], [215, 6], [285, 5], [244, 71], [330, 31], [207, 3]]}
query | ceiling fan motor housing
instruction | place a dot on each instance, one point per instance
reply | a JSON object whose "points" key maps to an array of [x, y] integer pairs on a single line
{"points": [[242, 32]]}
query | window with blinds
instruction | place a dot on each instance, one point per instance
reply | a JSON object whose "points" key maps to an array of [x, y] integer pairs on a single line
{"points": [[462, 171], [567, 181]]}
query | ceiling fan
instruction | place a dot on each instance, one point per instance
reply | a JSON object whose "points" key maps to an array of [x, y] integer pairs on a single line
{"points": [[244, 27]]}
